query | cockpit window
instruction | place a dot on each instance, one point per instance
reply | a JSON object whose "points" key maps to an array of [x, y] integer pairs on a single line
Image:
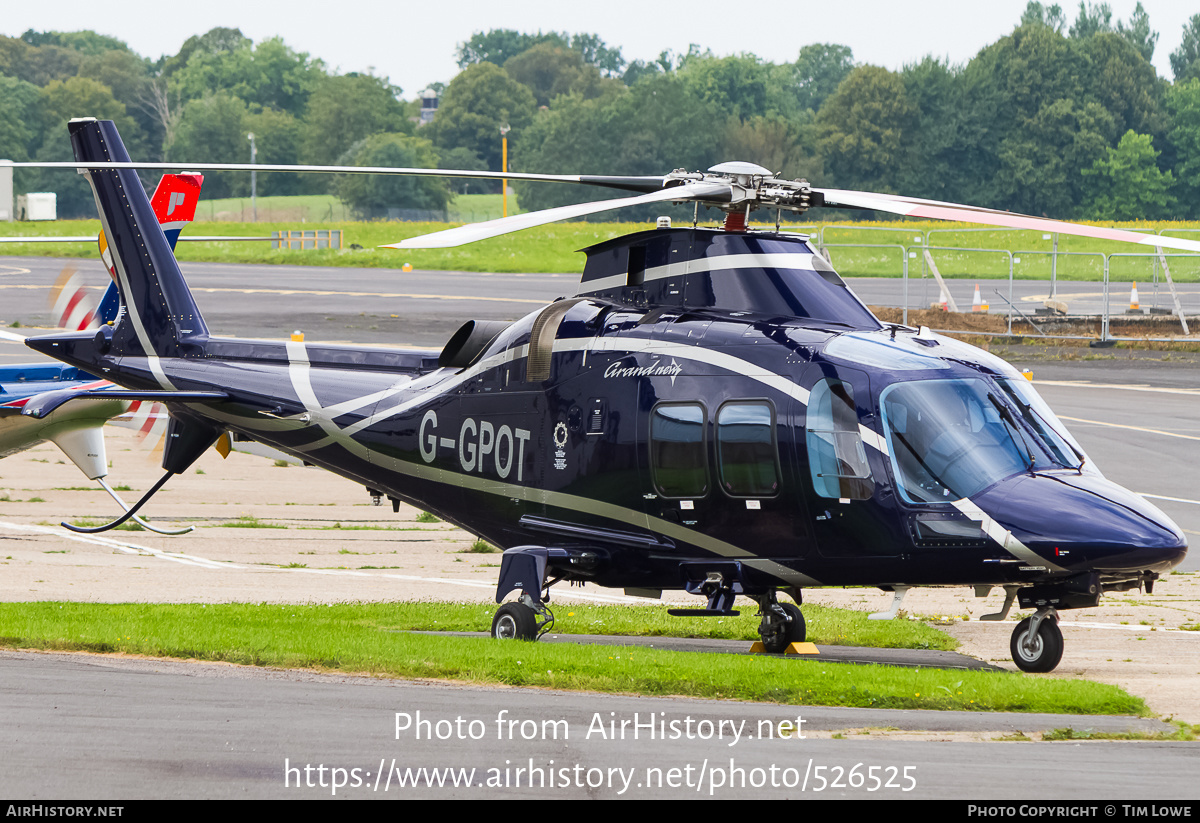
{"points": [[950, 439], [836, 457], [1039, 416]]}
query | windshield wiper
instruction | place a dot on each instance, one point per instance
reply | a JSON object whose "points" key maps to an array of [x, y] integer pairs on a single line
{"points": [[1006, 416], [1027, 409]]}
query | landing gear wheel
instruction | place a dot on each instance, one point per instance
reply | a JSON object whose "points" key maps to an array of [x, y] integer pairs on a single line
{"points": [[1040, 652], [515, 621], [781, 634]]}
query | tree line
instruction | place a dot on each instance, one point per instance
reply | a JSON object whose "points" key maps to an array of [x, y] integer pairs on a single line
{"points": [[1068, 119]]}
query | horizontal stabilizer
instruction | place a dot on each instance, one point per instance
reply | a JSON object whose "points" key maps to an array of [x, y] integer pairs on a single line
{"points": [[44, 404]]}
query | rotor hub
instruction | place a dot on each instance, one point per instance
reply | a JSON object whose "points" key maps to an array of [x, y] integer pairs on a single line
{"points": [[751, 187]]}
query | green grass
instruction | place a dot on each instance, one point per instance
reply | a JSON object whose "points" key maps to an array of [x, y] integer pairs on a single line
{"points": [[311, 208], [371, 638], [553, 248], [842, 627], [247, 521], [1183, 732], [325, 208], [475, 208]]}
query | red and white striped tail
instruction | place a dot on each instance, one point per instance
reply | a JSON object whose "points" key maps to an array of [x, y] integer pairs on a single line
{"points": [[150, 419], [71, 306]]}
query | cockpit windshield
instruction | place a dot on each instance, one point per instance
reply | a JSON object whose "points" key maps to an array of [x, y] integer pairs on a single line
{"points": [[950, 439], [1039, 416]]}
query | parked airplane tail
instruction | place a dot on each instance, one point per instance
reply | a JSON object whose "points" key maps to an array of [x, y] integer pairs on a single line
{"points": [[174, 202], [160, 318]]}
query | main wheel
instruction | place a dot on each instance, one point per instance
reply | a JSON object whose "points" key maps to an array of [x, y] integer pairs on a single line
{"points": [[784, 634], [515, 621], [1040, 652]]}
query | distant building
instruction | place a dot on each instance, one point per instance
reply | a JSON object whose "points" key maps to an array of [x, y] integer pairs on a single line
{"points": [[37, 205], [429, 104]]}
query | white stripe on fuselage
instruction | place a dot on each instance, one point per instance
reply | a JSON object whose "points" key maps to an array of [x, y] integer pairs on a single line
{"points": [[1003, 536], [437, 383], [778, 260]]}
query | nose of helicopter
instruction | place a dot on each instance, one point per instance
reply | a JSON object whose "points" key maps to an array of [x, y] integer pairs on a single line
{"points": [[1085, 521]]}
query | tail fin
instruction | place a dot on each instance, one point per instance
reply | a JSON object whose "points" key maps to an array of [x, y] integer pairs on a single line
{"points": [[161, 318]]}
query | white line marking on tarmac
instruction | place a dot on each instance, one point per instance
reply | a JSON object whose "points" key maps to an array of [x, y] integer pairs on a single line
{"points": [[1146, 629], [1132, 428], [1172, 499], [203, 562], [1085, 384], [121, 546]]}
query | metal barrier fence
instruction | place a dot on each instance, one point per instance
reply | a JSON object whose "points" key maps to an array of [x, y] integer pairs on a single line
{"points": [[307, 239], [824, 250], [1171, 281]]}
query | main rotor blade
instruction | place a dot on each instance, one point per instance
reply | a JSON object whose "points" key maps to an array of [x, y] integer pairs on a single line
{"points": [[937, 210], [493, 228], [640, 183], [485, 175]]}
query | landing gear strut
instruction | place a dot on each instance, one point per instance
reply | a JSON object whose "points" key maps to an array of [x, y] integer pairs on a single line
{"points": [[1037, 642], [782, 624], [524, 619]]}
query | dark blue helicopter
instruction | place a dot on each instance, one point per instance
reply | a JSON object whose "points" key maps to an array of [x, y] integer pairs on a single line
{"points": [[714, 410]]}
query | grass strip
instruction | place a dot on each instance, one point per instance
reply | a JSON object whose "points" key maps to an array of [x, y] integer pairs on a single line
{"points": [[369, 638], [840, 627], [554, 248]]}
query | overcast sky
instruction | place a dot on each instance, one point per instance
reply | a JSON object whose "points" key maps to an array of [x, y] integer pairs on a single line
{"points": [[413, 43]]}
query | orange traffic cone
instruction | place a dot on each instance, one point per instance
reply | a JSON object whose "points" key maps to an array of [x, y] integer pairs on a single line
{"points": [[977, 303], [1133, 299], [941, 302]]}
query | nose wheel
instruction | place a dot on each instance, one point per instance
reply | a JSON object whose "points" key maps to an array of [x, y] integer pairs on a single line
{"points": [[1037, 642]]}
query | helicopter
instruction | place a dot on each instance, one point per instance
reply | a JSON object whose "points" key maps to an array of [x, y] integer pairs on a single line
{"points": [[713, 411]]}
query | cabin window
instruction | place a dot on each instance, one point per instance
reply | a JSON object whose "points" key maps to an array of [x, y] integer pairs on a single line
{"points": [[746, 449], [836, 456], [677, 450]]}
